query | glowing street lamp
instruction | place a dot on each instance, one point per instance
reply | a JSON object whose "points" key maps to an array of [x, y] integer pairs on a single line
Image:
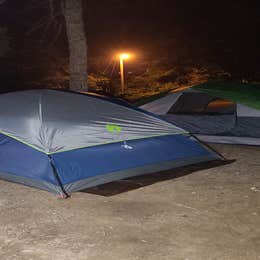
{"points": [[122, 57]]}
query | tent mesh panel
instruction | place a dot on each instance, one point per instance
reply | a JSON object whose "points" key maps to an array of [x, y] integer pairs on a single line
{"points": [[202, 103]]}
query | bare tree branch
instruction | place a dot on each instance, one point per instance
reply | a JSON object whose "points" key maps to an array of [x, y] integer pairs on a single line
{"points": [[70, 12], [43, 22]]}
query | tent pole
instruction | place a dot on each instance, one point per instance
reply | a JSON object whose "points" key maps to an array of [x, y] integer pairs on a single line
{"points": [[64, 194]]}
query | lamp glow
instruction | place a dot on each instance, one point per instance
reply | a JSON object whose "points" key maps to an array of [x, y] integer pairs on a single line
{"points": [[124, 56]]}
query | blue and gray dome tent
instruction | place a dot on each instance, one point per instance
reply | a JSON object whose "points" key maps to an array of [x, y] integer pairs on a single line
{"points": [[64, 141]]}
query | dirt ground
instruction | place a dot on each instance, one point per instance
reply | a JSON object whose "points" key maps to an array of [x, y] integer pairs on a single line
{"points": [[206, 214]]}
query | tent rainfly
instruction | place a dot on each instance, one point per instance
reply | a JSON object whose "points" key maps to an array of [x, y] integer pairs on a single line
{"points": [[220, 112], [64, 141]]}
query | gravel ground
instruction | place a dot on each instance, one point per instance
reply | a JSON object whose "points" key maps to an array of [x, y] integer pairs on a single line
{"points": [[206, 214]]}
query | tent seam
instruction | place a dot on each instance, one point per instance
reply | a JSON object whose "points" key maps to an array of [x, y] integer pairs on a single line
{"points": [[61, 151]]}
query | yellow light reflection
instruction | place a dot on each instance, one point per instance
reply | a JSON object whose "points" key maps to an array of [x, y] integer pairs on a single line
{"points": [[124, 56]]}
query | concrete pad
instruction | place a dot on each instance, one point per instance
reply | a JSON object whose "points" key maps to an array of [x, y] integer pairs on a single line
{"points": [[207, 214]]}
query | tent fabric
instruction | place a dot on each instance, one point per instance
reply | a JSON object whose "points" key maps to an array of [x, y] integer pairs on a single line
{"points": [[245, 111], [21, 163], [209, 109], [161, 106], [222, 139], [64, 142], [203, 124], [102, 162], [190, 102], [55, 121], [228, 125], [199, 103]]}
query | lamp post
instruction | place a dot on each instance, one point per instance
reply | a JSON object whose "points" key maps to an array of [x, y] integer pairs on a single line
{"points": [[122, 57]]}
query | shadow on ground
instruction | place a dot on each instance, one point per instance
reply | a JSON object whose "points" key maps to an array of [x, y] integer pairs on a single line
{"points": [[121, 186]]}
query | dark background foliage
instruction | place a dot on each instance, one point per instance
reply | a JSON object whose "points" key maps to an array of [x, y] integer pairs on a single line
{"points": [[173, 40]]}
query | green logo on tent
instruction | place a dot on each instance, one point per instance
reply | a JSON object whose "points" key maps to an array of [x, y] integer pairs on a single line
{"points": [[113, 128]]}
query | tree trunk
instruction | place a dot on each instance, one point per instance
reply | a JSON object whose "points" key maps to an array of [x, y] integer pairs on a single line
{"points": [[77, 44]]}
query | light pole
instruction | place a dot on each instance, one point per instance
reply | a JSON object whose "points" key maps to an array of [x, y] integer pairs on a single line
{"points": [[122, 57]]}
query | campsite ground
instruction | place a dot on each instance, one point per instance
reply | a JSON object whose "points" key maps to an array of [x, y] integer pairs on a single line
{"points": [[209, 214]]}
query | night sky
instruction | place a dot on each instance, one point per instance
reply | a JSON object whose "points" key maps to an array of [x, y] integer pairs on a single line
{"points": [[222, 32]]}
